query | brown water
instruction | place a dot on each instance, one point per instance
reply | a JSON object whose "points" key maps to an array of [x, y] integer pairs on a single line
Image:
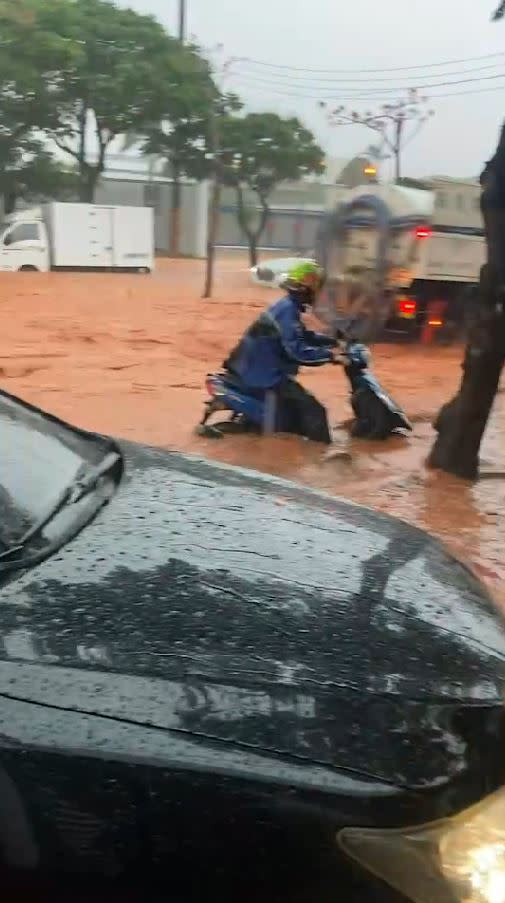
{"points": [[128, 355]]}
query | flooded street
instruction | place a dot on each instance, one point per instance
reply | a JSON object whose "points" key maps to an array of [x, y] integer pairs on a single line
{"points": [[128, 355]]}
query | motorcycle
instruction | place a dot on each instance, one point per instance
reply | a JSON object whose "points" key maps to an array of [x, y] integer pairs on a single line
{"points": [[376, 414]]}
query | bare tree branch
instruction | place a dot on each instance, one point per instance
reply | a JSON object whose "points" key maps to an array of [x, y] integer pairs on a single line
{"points": [[390, 121], [65, 147]]}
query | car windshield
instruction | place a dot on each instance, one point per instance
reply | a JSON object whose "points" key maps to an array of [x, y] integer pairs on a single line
{"points": [[39, 458]]}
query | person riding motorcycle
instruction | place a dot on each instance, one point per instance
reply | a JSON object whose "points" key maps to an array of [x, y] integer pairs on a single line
{"points": [[270, 353]]}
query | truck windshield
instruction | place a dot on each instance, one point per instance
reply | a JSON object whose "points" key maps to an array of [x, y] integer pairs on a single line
{"points": [[40, 459]]}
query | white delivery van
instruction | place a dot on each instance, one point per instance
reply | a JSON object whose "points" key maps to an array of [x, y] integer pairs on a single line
{"points": [[78, 237]]}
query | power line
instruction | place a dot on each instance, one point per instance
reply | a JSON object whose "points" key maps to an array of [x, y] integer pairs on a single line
{"points": [[292, 79], [469, 59], [357, 94], [367, 97], [396, 89]]}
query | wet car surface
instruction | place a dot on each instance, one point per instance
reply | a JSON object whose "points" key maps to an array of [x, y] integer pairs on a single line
{"points": [[216, 671]]}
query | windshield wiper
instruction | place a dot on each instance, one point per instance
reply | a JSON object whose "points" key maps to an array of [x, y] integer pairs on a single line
{"points": [[72, 494]]}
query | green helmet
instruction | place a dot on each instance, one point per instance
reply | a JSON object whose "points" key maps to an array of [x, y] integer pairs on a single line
{"points": [[305, 276]]}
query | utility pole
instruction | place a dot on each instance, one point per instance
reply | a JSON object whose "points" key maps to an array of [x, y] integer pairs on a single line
{"points": [[217, 110], [182, 20], [398, 138], [175, 211], [215, 202]]}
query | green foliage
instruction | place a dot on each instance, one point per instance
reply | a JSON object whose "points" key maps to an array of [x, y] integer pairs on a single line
{"points": [[32, 62], [126, 73], [86, 71], [262, 149], [37, 176], [254, 152], [499, 12], [188, 139], [259, 151]]}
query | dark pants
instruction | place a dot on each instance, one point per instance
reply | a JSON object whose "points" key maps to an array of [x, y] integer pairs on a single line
{"points": [[301, 413], [296, 410]]}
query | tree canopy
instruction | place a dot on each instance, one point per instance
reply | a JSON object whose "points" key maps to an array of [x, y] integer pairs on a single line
{"points": [[261, 150], [32, 65], [253, 154], [82, 73], [87, 71], [126, 73]]}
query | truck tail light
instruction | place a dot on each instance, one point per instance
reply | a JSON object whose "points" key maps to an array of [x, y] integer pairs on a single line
{"points": [[407, 308]]}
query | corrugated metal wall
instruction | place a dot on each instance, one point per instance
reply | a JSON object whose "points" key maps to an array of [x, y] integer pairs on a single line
{"points": [[158, 195], [296, 210], [290, 230]]}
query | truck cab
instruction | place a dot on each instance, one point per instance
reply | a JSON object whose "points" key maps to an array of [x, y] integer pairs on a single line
{"points": [[24, 242]]}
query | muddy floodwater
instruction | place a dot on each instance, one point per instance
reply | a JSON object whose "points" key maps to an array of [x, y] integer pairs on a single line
{"points": [[128, 354]]}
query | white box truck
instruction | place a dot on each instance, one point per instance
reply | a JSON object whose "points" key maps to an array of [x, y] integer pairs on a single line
{"points": [[61, 236]]}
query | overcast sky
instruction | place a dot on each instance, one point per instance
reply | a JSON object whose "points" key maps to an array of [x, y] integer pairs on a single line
{"points": [[362, 35]]}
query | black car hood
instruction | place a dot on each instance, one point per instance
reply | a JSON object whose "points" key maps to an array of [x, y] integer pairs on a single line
{"points": [[217, 603]]}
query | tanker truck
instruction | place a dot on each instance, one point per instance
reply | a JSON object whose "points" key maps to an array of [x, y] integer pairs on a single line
{"points": [[434, 252]]}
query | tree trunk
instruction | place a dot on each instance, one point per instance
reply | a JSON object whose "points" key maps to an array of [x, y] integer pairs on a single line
{"points": [[398, 147], [253, 235], [461, 423], [9, 201], [253, 249], [88, 183], [81, 156], [175, 214]]}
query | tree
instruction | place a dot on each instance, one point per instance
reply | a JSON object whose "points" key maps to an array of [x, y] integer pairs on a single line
{"points": [[461, 422], [37, 176], [41, 178], [32, 61], [391, 122], [192, 141], [248, 153], [499, 12], [259, 151], [186, 139], [125, 74]]}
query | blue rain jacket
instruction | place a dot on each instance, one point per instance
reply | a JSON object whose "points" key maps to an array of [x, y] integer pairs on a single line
{"points": [[276, 345]]}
